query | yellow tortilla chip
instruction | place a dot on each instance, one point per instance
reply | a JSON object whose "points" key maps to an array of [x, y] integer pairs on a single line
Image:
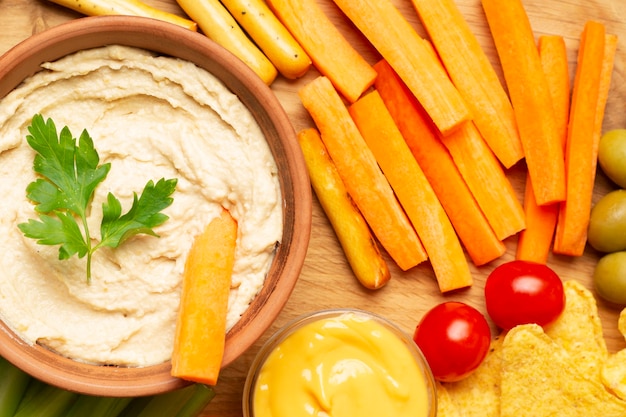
{"points": [[540, 379], [479, 394], [614, 374], [614, 369], [445, 406], [579, 330], [621, 322]]}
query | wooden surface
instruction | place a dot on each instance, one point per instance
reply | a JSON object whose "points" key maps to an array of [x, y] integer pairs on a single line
{"points": [[326, 280]]}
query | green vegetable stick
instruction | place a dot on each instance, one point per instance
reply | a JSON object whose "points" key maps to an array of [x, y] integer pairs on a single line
{"points": [[168, 404], [202, 396], [135, 407], [184, 402], [13, 384], [33, 389], [50, 402], [92, 406]]}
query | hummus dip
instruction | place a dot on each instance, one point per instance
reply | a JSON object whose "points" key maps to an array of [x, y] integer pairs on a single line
{"points": [[151, 117]]}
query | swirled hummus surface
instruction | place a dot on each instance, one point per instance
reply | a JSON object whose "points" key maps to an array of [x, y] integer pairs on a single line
{"points": [[151, 118]]}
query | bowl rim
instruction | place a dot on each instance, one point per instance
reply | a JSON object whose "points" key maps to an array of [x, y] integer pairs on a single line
{"points": [[25, 58]]}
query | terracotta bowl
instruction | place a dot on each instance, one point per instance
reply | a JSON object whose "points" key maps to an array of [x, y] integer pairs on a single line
{"points": [[25, 59]]}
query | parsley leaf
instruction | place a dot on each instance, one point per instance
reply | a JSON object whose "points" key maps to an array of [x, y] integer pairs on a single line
{"points": [[70, 173], [142, 216]]}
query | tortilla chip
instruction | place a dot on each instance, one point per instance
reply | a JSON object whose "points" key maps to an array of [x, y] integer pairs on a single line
{"points": [[614, 369], [479, 393], [621, 323], [579, 330], [539, 378], [445, 406], [614, 374]]}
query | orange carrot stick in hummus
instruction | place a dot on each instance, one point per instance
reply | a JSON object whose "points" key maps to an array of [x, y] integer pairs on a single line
{"points": [[201, 325]]}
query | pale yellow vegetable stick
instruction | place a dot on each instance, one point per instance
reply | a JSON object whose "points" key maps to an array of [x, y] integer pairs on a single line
{"points": [[220, 26], [356, 239], [124, 7], [256, 18]]}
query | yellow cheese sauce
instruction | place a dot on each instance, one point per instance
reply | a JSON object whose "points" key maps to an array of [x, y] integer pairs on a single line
{"points": [[348, 365]]}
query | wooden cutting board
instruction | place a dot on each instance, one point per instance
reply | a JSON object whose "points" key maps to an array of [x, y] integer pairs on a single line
{"points": [[326, 280]]}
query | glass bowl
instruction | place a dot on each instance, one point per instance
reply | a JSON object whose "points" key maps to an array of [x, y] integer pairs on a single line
{"points": [[340, 358]]}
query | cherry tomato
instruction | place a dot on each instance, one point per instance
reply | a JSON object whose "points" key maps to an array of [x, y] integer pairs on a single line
{"points": [[454, 338], [521, 292]]}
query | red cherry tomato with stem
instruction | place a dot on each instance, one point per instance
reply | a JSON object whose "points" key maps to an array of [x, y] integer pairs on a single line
{"points": [[454, 338], [521, 292]]}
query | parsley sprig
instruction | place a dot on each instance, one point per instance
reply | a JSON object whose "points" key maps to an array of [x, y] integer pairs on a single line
{"points": [[69, 172]]}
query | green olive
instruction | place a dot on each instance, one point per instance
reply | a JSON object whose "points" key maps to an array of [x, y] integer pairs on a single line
{"points": [[612, 156], [609, 278], [607, 223]]}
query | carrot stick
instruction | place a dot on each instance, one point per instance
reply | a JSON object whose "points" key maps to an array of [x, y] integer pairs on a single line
{"points": [[422, 137], [413, 191], [329, 50], [484, 176], [553, 56], [359, 171], [610, 49], [471, 71], [487, 180], [530, 95], [581, 147], [410, 56], [535, 241], [354, 234], [201, 324]]}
